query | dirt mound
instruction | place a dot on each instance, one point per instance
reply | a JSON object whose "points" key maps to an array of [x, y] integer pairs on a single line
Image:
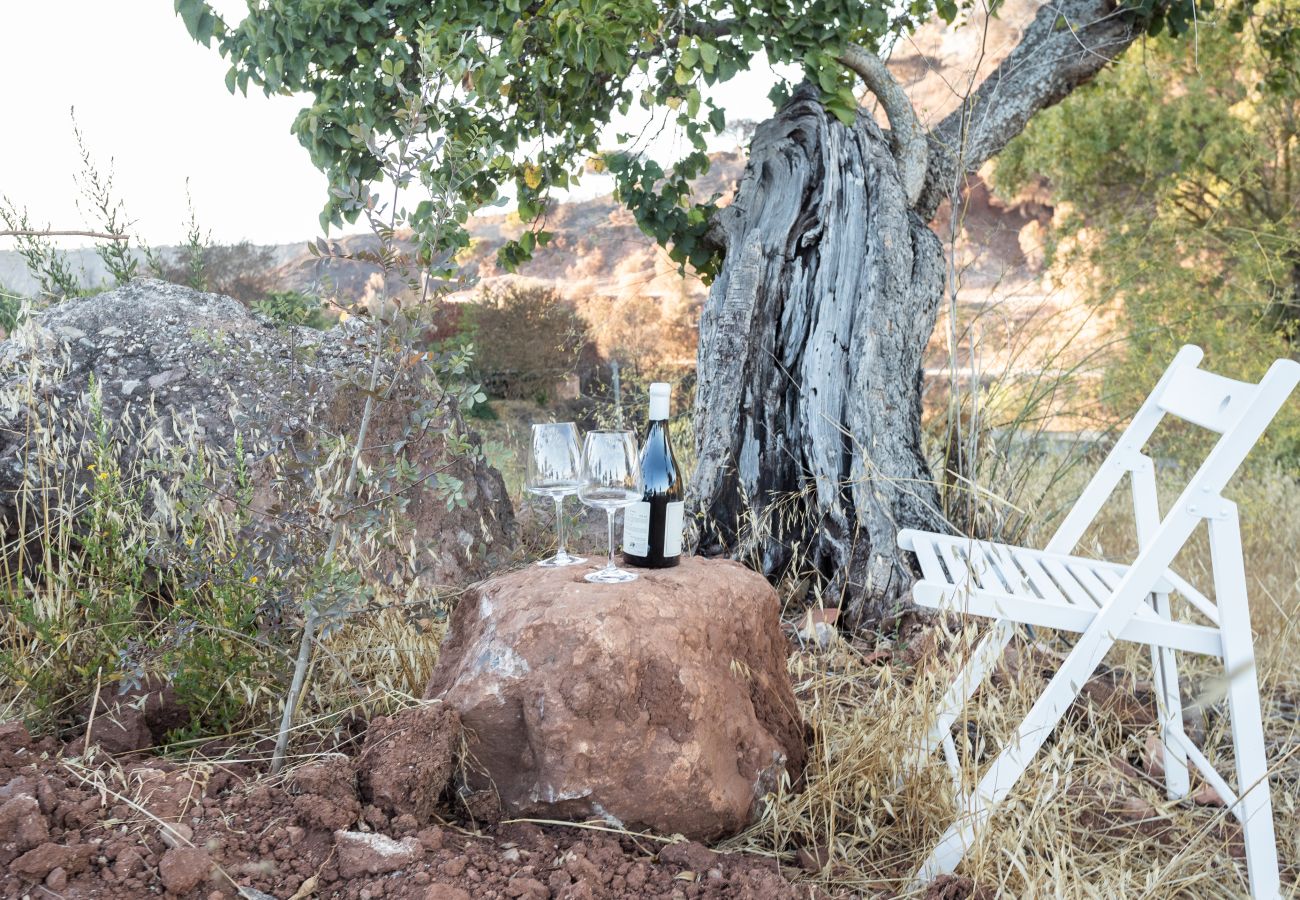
{"points": [[105, 827]]}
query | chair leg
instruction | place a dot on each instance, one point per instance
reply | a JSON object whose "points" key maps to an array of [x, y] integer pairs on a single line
{"points": [[1169, 709], [1011, 762], [1254, 805], [963, 687]]}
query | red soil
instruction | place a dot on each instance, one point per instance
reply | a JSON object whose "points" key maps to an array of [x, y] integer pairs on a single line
{"points": [[75, 827]]}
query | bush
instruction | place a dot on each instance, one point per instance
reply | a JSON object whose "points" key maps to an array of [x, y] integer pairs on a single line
{"points": [[104, 594], [292, 308], [526, 340], [654, 337], [242, 270], [11, 310]]}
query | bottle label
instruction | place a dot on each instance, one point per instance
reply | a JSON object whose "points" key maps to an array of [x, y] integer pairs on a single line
{"points": [[636, 529], [673, 529]]}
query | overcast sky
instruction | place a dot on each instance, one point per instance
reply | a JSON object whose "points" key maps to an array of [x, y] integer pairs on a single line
{"points": [[155, 102]]}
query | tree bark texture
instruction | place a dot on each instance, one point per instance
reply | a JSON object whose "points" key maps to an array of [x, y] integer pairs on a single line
{"points": [[808, 406]]}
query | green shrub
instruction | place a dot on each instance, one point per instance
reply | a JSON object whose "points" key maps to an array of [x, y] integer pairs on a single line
{"points": [[293, 308], [11, 309], [525, 339], [100, 594], [482, 411]]}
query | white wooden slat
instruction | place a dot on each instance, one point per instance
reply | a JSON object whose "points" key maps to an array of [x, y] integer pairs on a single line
{"points": [[1206, 399], [1178, 635], [1074, 591], [1111, 578], [956, 565], [1100, 591], [1047, 588], [923, 547], [985, 567], [1011, 570]]}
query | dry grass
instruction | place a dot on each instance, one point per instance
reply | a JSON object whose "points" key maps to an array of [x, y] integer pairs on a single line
{"points": [[1084, 821]]}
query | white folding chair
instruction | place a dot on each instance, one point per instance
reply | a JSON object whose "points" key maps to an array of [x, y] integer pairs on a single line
{"points": [[1105, 602]]}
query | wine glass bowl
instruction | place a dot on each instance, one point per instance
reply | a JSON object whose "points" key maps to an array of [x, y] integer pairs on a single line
{"points": [[611, 475], [555, 471]]}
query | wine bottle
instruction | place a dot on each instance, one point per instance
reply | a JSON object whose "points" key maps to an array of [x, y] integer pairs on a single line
{"points": [[652, 527]]}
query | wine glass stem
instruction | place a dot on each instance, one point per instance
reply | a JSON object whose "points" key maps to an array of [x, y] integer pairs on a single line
{"points": [[610, 513], [559, 526]]}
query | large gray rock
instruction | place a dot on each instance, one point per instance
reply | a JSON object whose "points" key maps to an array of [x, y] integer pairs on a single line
{"points": [[179, 371]]}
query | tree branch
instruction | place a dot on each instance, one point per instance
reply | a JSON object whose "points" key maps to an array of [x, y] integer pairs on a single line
{"points": [[910, 147], [37, 232], [1066, 44]]}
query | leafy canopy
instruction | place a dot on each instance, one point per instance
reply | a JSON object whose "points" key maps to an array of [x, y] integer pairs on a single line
{"points": [[541, 81], [547, 77]]}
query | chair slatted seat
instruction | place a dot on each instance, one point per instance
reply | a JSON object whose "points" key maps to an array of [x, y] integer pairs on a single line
{"points": [[1050, 590]]}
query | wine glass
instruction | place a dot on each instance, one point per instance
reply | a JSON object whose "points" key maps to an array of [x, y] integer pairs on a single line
{"points": [[555, 470], [611, 478]]}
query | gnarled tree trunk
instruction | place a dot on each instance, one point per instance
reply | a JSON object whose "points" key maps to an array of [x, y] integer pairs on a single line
{"points": [[810, 358], [808, 407]]}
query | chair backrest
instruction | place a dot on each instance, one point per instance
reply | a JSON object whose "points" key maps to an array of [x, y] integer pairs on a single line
{"points": [[1237, 410]]}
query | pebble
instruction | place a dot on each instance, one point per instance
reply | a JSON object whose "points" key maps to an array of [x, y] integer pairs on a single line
{"points": [[57, 880], [176, 834]]}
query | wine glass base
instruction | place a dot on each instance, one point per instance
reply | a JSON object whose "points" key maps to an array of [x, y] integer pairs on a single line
{"points": [[560, 560], [610, 575]]}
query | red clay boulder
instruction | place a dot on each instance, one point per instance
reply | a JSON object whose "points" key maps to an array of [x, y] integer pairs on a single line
{"points": [[662, 703]]}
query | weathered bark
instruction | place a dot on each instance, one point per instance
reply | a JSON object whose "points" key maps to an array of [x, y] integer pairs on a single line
{"points": [[808, 408], [810, 356]]}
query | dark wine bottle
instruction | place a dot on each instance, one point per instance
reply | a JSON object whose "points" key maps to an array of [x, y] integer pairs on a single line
{"points": [[652, 527]]}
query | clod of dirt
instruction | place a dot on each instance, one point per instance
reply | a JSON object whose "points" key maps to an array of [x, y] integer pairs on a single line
{"points": [[1116, 695], [167, 795], [662, 704], [689, 855], [408, 759], [1206, 795], [956, 887], [117, 730], [446, 892], [133, 720], [22, 827], [1108, 805], [326, 794], [57, 880], [182, 869], [36, 864], [374, 854]]}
